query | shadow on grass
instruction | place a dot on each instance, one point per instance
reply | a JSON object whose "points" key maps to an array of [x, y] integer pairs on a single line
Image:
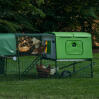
{"points": [[16, 77]]}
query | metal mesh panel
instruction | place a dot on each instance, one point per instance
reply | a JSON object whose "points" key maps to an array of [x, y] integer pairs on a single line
{"points": [[75, 69]]}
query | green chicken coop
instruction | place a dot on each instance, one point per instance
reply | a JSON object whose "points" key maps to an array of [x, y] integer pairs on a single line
{"points": [[59, 47]]}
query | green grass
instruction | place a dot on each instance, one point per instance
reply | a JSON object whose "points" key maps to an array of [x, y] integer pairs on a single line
{"points": [[69, 88]]}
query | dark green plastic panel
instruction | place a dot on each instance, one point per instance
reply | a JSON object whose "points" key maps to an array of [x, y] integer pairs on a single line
{"points": [[7, 44]]}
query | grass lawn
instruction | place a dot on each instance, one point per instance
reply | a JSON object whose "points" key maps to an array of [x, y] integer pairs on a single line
{"points": [[69, 88]]}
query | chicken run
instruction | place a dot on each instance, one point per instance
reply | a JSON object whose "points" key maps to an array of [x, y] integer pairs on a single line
{"points": [[61, 54], [32, 45]]}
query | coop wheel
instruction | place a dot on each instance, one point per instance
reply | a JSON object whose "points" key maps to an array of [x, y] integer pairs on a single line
{"points": [[65, 74]]}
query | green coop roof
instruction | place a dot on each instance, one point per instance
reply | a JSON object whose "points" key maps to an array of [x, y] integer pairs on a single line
{"points": [[7, 44], [72, 34]]}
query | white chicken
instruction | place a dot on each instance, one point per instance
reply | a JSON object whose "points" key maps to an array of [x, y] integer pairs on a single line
{"points": [[53, 71], [36, 43]]}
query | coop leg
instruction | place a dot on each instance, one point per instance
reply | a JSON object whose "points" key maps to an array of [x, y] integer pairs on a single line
{"points": [[73, 67], [19, 68], [56, 68], [91, 66], [40, 59], [5, 69]]}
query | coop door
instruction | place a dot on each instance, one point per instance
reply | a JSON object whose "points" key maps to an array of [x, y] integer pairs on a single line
{"points": [[74, 47], [49, 48]]}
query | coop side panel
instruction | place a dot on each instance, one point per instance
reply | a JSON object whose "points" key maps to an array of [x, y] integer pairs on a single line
{"points": [[63, 48]]}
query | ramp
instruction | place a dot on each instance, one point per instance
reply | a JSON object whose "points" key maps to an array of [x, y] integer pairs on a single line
{"points": [[34, 62]]}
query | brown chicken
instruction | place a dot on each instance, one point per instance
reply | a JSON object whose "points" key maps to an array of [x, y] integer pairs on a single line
{"points": [[43, 71]]}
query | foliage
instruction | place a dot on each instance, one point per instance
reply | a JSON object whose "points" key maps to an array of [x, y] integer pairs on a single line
{"points": [[66, 15], [47, 15], [16, 16]]}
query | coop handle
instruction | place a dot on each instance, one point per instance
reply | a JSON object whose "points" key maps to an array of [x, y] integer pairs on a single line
{"points": [[66, 37]]}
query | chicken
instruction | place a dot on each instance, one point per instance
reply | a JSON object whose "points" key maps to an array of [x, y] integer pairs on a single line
{"points": [[36, 43], [43, 68], [52, 71], [47, 71]]}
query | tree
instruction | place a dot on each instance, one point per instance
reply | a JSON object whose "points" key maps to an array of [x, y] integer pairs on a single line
{"points": [[17, 16], [47, 15], [68, 14]]}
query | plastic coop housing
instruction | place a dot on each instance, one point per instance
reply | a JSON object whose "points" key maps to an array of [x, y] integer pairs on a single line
{"points": [[68, 45], [58, 45]]}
